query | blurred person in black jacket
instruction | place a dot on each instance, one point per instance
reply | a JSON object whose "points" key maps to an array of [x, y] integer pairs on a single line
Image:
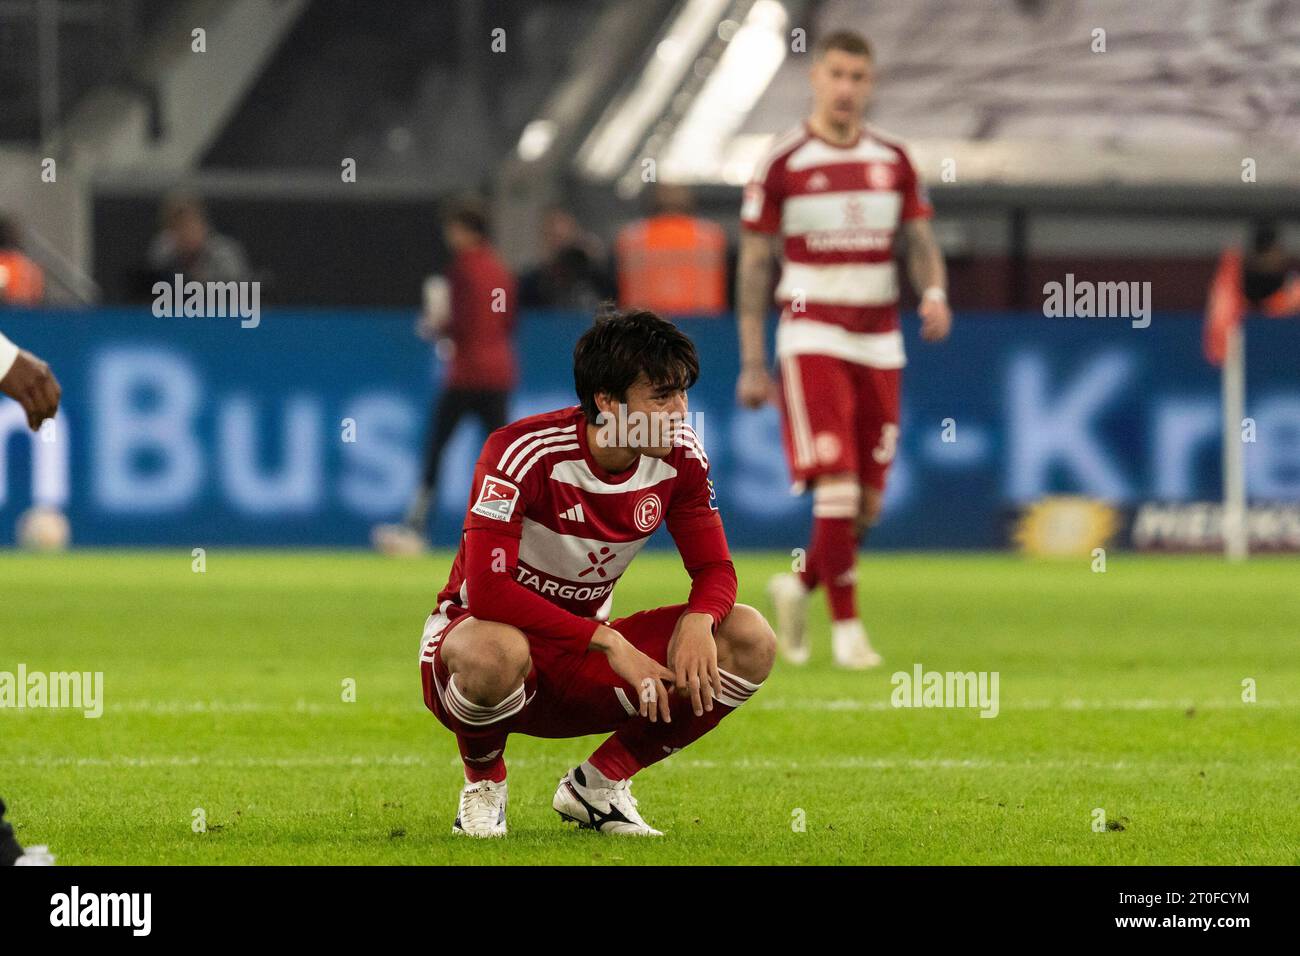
{"points": [[188, 245], [573, 274]]}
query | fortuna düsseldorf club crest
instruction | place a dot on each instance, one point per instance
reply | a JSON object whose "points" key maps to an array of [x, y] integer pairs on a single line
{"points": [[647, 512]]}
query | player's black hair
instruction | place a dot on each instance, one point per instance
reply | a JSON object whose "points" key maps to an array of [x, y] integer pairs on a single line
{"points": [[620, 346], [472, 214]]}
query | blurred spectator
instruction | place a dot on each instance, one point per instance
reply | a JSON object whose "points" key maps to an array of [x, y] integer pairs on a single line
{"points": [[21, 280], [471, 318], [187, 244], [673, 263], [1265, 268], [572, 274]]}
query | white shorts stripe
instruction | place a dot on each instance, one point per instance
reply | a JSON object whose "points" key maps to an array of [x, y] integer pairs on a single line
{"points": [[800, 427], [622, 699]]}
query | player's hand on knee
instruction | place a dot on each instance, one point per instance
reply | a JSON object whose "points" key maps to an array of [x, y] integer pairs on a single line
{"points": [[33, 386], [640, 670], [693, 656]]}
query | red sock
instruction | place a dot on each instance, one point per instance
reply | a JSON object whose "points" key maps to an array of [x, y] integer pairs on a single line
{"points": [[481, 731], [483, 756], [835, 556], [640, 743]]}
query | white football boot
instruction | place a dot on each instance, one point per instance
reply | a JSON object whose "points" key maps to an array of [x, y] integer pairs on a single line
{"points": [[398, 541], [790, 603], [482, 810], [851, 647], [606, 806], [35, 856]]}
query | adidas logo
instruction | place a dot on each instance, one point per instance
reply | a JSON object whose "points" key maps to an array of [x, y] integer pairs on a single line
{"points": [[573, 514]]}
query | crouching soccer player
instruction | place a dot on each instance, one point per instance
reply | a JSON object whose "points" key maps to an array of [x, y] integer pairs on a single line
{"points": [[521, 641]]}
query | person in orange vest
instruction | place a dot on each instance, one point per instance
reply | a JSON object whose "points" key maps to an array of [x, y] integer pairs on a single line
{"points": [[21, 280], [673, 263]]}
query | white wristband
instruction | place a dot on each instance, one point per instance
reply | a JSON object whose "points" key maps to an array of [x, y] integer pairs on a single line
{"points": [[8, 355], [934, 292]]}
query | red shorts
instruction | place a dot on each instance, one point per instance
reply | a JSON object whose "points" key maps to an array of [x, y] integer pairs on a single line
{"points": [[838, 416], [568, 694]]}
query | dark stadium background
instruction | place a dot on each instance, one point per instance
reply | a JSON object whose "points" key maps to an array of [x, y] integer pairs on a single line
{"points": [[1115, 166]]}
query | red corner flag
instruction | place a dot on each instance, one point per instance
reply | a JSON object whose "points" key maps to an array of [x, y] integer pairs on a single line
{"points": [[1224, 308], [1226, 305]]}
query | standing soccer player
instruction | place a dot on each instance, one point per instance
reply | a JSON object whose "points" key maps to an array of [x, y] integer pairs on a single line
{"points": [[474, 327], [829, 198], [521, 640]]}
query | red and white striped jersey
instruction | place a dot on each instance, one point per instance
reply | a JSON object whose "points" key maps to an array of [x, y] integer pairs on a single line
{"points": [[547, 520], [837, 209]]}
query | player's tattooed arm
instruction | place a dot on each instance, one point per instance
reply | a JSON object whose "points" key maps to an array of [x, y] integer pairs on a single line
{"points": [[929, 277], [753, 293]]}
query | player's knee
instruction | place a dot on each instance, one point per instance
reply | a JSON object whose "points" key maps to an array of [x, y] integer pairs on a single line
{"points": [[488, 660], [746, 644]]}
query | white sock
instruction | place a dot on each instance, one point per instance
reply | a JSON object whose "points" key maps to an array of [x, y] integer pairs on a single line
{"points": [[593, 776]]}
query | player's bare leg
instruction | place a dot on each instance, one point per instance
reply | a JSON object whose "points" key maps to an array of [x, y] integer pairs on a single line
{"points": [[489, 663], [597, 793]]}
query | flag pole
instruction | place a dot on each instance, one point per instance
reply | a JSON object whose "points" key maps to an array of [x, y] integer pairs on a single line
{"points": [[1235, 537]]}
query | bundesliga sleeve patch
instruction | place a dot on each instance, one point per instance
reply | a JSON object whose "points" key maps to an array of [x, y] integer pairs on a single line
{"points": [[496, 499]]}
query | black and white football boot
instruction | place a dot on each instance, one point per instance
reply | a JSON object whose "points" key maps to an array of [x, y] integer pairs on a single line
{"points": [[606, 806]]}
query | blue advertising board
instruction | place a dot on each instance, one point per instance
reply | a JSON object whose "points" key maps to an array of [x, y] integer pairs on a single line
{"points": [[197, 431]]}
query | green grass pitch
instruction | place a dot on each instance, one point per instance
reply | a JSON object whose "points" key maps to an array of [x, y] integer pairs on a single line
{"points": [[1119, 691]]}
